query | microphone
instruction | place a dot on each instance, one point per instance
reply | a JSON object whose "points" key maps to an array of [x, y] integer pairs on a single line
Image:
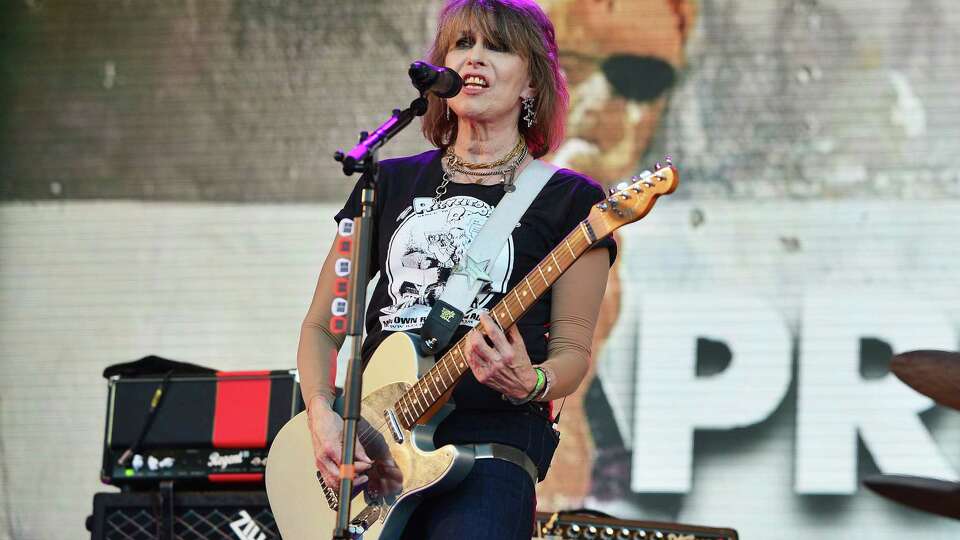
{"points": [[444, 82]]}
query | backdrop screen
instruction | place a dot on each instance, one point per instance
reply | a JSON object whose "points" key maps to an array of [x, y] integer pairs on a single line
{"points": [[168, 188]]}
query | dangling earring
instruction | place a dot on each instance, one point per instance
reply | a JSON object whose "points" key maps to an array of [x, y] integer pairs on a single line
{"points": [[529, 115], [446, 113]]}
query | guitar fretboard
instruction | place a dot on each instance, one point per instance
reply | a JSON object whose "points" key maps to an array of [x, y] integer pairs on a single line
{"points": [[447, 371]]}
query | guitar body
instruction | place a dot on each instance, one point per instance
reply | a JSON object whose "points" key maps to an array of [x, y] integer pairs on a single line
{"points": [[383, 505]]}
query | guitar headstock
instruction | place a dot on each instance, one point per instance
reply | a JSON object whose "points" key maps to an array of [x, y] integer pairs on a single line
{"points": [[629, 202]]}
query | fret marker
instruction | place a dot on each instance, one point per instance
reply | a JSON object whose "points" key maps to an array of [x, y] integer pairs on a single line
{"points": [[524, 293], [461, 365], [549, 269]]}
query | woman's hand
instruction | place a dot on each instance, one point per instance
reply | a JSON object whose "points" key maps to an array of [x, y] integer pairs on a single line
{"points": [[326, 428], [505, 366]]}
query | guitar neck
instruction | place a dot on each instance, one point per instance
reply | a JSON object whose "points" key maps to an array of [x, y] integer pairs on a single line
{"points": [[440, 379]]}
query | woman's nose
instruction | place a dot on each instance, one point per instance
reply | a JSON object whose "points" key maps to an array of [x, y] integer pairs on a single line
{"points": [[476, 55]]}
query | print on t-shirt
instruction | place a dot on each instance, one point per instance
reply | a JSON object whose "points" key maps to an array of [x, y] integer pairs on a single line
{"points": [[425, 248]]}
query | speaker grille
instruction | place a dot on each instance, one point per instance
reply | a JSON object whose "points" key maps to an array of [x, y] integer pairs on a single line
{"points": [[212, 516]]}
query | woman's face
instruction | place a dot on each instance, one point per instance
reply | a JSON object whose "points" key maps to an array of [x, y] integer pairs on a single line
{"points": [[494, 80]]}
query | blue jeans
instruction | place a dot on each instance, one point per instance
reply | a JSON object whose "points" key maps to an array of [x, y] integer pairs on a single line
{"points": [[495, 501]]}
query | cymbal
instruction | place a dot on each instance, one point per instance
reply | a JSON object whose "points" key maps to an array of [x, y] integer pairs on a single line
{"points": [[935, 374], [928, 494]]}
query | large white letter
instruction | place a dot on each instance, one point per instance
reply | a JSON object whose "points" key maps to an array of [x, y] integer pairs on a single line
{"points": [[672, 401], [834, 401]]}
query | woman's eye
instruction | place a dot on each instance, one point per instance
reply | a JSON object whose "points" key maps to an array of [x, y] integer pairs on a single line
{"points": [[496, 48], [464, 43]]}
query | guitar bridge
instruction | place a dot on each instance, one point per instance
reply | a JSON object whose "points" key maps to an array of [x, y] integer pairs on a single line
{"points": [[394, 424], [333, 500]]}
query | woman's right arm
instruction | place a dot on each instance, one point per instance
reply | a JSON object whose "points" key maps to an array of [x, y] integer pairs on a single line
{"points": [[316, 362]]}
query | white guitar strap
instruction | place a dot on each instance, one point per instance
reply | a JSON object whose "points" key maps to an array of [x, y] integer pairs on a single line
{"points": [[471, 274]]}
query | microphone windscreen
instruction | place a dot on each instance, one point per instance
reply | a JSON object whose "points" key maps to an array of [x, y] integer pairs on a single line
{"points": [[449, 85]]}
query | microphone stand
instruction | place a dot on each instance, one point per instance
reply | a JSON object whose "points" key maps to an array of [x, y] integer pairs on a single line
{"points": [[362, 159]]}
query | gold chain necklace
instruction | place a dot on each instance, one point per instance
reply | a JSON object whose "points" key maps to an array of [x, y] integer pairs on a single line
{"points": [[507, 173], [459, 162]]}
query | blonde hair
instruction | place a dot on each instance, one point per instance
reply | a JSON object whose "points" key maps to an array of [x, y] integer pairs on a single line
{"points": [[519, 26]]}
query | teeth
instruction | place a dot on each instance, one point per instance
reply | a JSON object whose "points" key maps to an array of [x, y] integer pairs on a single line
{"points": [[475, 81]]}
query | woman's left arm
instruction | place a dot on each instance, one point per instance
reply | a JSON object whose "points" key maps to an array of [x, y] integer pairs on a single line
{"points": [[503, 363], [573, 318]]}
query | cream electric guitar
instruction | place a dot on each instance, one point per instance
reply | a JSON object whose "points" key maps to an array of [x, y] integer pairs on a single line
{"points": [[403, 392]]}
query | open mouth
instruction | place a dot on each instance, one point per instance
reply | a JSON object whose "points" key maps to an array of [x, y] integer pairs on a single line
{"points": [[475, 81]]}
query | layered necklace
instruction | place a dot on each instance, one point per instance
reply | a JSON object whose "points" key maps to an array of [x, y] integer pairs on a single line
{"points": [[505, 167]]}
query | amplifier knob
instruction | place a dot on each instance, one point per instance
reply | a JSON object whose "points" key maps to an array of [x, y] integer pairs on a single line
{"points": [[640, 534], [607, 533], [624, 533], [658, 535], [574, 531], [591, 532]]}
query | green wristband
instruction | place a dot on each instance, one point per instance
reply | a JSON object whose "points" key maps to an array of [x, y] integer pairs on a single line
{"points": [[537, 388]]}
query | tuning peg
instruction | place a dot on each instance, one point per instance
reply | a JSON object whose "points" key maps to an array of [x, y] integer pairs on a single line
{"points": [[622, 186], [363, 136], [669, 160], [612, 203], [339, 155], [644, 174], [611, 190], [658, 166], [603, 206]]}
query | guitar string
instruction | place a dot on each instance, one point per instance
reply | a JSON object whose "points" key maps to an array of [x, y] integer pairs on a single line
{"points": [[366, 434]]}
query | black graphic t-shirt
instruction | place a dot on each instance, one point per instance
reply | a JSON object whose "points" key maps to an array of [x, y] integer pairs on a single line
{"points": [[420, 240]]}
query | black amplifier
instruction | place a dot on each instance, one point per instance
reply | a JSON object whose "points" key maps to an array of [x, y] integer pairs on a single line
{"points": [[198, 428], [589, 525], [234, 515]]}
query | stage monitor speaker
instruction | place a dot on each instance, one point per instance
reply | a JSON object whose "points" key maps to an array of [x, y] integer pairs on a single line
{"points": [[222, 515]]}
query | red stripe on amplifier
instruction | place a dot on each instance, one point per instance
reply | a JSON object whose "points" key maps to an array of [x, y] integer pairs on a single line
{"points": [[242, 407], [235, 478]]}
